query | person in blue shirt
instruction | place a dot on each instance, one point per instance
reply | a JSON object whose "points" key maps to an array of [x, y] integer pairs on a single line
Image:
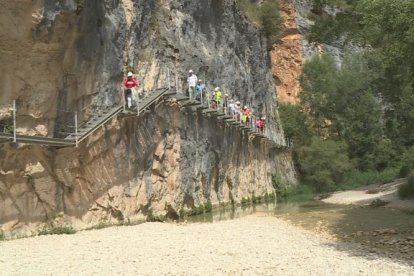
{"points": [[200, 88]]}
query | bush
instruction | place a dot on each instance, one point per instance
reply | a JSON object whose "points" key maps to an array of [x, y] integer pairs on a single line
{"points": [[356, 179], [404, 171], [2, 236], [208, 207], [407, 161], [246, 201], [299, 193], [279, 185], [406, 191], [151, 217], [57, 230]]}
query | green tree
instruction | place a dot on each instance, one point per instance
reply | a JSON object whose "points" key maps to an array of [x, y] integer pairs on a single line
{"points": [[386, 28], [323, 163], [296, 124], [318, 85], [357, 112]]}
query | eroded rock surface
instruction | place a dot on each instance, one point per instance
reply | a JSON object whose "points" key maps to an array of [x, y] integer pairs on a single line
{"points": [[62, 57], [287, 56]]}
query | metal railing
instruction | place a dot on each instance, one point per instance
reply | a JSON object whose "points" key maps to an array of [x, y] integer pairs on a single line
{"points": [[206, 100], [76, 131]]}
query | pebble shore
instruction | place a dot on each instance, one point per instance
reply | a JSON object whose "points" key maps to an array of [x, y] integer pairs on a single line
{"points": [[254, 245]]}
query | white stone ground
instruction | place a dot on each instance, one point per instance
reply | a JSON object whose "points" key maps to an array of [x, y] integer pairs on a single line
{"points": [[253, 245]]}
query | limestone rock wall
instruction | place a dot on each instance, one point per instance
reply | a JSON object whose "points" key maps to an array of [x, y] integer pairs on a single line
{"points": [[62, 57]]}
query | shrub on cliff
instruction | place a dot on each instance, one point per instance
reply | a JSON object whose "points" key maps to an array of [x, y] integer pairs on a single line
{"points": [[271, 21], [266, 16]]}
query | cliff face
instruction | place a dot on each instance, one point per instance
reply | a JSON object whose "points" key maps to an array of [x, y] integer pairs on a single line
{"points": [[304, 11], [69, 57], [293, 49]]}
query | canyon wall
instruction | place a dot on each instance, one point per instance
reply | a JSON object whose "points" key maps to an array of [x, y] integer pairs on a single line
{"points": [[59, 57]]}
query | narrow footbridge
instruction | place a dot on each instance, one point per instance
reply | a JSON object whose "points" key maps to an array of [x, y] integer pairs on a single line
{"points": [[83, 131], [94, 123]]}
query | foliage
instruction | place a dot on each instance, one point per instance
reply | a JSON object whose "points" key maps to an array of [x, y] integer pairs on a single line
{"points": [[406, 191], [296, 123], [367, 101], [300, 192], [343, 105], [256, 199], [2, 236], [197, 210], [407, 161], [208, 207], [355, 178], [151, 217], [57, 230], [318, 83], [323, 163], [246, 201], [271, 21], [386, 28], [279, 184], [270, 197]]}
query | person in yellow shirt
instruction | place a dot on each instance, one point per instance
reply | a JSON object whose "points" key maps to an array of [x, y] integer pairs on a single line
{"points": [[218, 96]]}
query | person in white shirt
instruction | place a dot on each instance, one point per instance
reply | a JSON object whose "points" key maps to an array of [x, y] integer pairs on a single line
{"points": [[232, 109], [237, 110], [192, 81]]}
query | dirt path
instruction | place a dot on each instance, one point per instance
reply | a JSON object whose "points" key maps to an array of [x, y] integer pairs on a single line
{"points": [[253, 245]]}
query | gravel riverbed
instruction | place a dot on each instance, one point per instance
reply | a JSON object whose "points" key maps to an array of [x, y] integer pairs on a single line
{"points": [[258, 244]]}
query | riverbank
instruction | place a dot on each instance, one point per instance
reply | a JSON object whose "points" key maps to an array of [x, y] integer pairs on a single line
{"points": [[374, 195], [255, 244]]}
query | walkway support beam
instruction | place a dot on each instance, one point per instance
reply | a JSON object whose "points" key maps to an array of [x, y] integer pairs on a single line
{"points": [[14, 122], [76, 130]]}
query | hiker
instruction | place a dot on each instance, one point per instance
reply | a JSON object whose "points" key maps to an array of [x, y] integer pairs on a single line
{"points": [[237, 110], [130, 84], [192, 81], [260, 124], [213, 100], [226, 103], [232, 107], [218, 96], [246, 116], [200, 87]]}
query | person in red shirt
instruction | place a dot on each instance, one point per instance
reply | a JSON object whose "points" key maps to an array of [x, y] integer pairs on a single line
{"points": [[129, 84]]}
